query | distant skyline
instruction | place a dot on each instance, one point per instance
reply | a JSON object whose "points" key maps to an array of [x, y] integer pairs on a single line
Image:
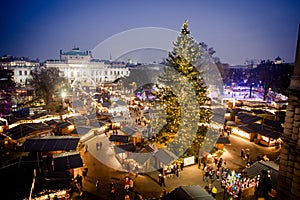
{"points": [[237, 30]]}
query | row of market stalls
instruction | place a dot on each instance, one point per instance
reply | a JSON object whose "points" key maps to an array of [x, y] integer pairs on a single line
{"points": [[51, 147], [257, 126]]}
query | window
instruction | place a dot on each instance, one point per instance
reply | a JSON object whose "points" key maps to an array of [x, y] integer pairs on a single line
{"points": [[20, 73], [25, 73]]}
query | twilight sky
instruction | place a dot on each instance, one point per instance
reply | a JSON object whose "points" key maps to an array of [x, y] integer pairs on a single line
{"points": [[238, 30]]}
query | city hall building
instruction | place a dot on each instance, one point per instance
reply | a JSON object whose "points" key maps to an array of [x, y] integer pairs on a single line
{"points": [[76, 65]]}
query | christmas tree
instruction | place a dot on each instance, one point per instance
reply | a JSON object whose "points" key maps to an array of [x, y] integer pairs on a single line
{"points": [[183, 95]]}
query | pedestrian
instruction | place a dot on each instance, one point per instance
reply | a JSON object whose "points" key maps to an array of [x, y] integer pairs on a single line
{"points": [[242, 153], [164, 193], [100, 145], [112, 185], [84, 172], [265, 184], [204, 164], [98, 185], [161, 180], [86, 147], [214, 191], [218, 174], [127, 197], [206, 176], [126, 187], [177, 172], [130, 184], [112, 191], [97, 145]]}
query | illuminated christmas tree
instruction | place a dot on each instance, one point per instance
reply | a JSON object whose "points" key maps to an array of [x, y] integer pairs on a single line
{"points": [[183, 95]]}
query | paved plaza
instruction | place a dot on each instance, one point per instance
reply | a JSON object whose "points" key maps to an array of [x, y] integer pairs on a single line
{"points": [[102, 164]]}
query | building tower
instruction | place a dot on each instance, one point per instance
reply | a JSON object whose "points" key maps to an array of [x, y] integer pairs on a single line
{"points": [[288, 185]]}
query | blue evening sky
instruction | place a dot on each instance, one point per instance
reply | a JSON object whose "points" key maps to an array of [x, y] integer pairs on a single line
{"points": [[237, 29]]}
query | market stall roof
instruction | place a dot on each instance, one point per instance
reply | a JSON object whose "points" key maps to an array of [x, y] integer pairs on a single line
{"points": [[53, 121], [223, 140], [81, 130], [248, 119], [39, 115], [255, 169], [24, 129], [231, 123], [56, 180], [91, 116], [51, 143], [64, 124], [269, 132], [250, 128], [274, 124], [143, 155], [127, 130], [218, 118], [118, 119], [124, 148], [165, 156], [119, 138], [192, 192], [67, 160]]}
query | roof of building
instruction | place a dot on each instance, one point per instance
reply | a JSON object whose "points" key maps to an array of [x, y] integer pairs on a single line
{"points": [[248, 119], [67, 160], [143, 155], [193, 192], [39, 115], [129, 131], [218, 118], [64, 124], [255, 169], [81, 130], [51, 143], [117, 119], [24, 129], [262, 130], [124, 147], [165, 156], [119, 138], [53, 121], [75, 51], [223, 140]]}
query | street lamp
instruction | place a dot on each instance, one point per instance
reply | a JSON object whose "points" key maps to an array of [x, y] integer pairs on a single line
{"points": [[63, 95]]}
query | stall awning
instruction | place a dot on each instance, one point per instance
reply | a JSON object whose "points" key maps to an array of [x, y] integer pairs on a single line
{"points": [[165, 156], [124, 148], [67, 160], [248, 119], [223, 140], [193, 192], [51, 143], [129, 131], [143, 155], [119, 138], [81, 130], [25, 129], [255, 169]]}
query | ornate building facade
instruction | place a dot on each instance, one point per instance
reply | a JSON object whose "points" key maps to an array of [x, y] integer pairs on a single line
{"points": [[288, 185], [76, 65], [21, 67]]}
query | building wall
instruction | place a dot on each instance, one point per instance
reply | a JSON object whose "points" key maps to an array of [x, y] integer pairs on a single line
{"points": [[289, 167], [76, 65]]}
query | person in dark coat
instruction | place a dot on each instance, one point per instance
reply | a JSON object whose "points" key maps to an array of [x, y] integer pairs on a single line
{"points": [[265, 184]]}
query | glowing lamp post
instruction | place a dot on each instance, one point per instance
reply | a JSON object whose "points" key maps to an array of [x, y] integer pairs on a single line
{"points": [[63, 95]]}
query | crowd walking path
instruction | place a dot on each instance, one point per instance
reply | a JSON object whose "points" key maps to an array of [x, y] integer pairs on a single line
{"points": [[102, 163]]}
